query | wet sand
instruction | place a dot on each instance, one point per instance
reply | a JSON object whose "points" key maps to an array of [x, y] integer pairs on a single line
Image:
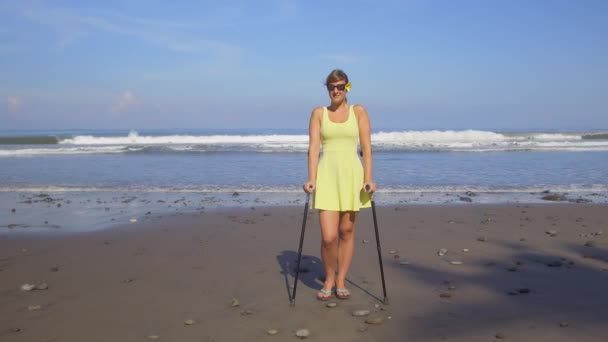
{"points": [[528, 273]]}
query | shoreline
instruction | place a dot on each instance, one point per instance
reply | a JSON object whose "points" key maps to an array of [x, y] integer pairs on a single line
{"points": [[529, 273], [49, 212]]}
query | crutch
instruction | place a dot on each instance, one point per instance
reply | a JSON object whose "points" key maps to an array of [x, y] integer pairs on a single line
{"points": [[367, 188], [292, 299]]}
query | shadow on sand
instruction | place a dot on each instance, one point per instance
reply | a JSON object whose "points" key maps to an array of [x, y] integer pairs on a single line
{"points": [[530, 289]]}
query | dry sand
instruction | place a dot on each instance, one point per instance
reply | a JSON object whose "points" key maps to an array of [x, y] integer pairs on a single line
{"points": [[141, 281]]}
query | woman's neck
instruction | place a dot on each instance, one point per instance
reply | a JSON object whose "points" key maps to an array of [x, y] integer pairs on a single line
{"points": [[336, 106]]}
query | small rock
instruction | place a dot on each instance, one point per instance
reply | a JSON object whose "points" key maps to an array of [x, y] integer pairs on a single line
{"points": [[302, 333], [16, 330], [375, 320], [482, 239], [466, 250], [554, 197], [365, 241], [445, 295], [456, 262], [500, 336], [133, 220], [189, 322], [55, 269], [13, 210], [153, 337], [34, 307], [272, 331], [551, 232], [361, 313], [442, 252], [235, 302], [555, 263], [235, 194], [28, 287], [392, 251], [331, 304], [42, 286]]}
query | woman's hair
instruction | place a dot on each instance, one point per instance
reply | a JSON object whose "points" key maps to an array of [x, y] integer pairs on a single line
{"points": [[335, 76]]}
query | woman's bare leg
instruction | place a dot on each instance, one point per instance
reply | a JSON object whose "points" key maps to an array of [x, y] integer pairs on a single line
{"points": [[329, 222], [346, 233]]}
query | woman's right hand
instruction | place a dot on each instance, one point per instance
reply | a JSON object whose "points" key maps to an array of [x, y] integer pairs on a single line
{"points": [[309, 187]]}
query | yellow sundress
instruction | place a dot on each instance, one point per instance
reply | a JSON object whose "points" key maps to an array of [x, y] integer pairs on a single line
{"points": [[340, 173]]}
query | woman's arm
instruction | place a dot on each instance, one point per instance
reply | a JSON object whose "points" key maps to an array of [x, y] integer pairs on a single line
{"points": [[314, 146], [366, 146]]}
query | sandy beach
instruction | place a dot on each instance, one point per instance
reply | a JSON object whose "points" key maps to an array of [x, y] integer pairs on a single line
{"points": [[468, 272]]}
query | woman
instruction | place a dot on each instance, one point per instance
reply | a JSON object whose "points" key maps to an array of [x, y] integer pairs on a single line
{"points": [[340, 184]]}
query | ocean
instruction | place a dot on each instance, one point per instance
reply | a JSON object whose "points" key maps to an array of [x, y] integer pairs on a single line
{"points": [[226, 168]]}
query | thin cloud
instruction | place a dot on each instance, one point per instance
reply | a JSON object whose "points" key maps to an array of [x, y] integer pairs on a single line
{"points": [[14, 103], [126, 101], [174, 36]]}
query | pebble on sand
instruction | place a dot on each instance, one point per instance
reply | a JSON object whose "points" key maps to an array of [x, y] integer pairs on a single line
{"points": [[28, 287], [42, 286], [361, 313], [34, 307], [153, 337], [302, 333], [133, 220], [442, 252], [331, 304], [456, 262], [272, 331], [235, 302], [189, 322], [375, 320]]}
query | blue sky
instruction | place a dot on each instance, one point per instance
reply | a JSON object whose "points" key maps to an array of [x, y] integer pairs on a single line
{"points": [[261, 64]]}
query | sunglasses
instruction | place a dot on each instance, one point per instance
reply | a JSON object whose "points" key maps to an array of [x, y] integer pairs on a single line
{"points": [[340, 87]]}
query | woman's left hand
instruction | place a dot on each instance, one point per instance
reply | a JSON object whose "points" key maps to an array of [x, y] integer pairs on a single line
{"points": [[370, 187]]}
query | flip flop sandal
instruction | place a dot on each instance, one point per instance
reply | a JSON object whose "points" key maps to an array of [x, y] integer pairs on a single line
{"points": [[342, 293], [324, 294]]}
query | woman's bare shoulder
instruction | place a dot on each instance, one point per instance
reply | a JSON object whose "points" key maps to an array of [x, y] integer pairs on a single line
{"points": [[317, 112], [360, 110]]}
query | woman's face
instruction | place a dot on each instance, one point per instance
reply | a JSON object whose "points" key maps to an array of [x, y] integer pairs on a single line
{"points": [[337, 91]]}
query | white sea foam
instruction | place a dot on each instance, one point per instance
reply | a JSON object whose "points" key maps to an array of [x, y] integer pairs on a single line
{"points": [[61, 151], [572, 189], [135, 139], [433, 140]]}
